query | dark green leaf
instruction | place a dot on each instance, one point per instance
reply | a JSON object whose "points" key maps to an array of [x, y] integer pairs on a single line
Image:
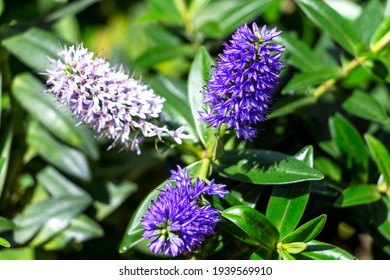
{"points": [[289, 105], [51, 216], [349, 142], [6, 224], [33, 48], [381, 214], [134, 230], [380, 155], [243, 220], [301, 55], [331, 22], [111, 197], [307, 231], [303, 80], [317, 250], [81, 229], [244, 194], [29, 92], [368, 21], [198, 75], [70, 9], [264, 167], [364, 106], [357, 195], [65, 158]]}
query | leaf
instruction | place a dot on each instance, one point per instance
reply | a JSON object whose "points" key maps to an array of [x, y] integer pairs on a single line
{"points": [[264, 167], [33, 47], [67, 159], [82, 228], [51, 216], [364, 106], [287, 205], [329, 168], [251, 223], [134, 230], [307, 231], [6, 136], [58, 185], [176, 104], [368, 21], [23, 253], [294, 247], [381, 35], [380, 155], [6, 224], [4, 243], [301, 55], [381, 215], [289, 105], [349, 142], [303, 80], [70, 9], [111, 196], [197, 77], [29, 92], [317, 250], [1, 7], [331, 22], [358, 195]]}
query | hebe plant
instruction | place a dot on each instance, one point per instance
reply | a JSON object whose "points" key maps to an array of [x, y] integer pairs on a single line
{"points": [[235, 130]]}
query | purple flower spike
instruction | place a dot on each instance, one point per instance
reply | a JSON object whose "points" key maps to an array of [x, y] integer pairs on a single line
{"points": [[108, 99], [240, 89], [177, 221]]}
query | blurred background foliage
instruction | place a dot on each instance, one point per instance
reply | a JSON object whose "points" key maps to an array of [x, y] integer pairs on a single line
{"points": [[63, 196]]}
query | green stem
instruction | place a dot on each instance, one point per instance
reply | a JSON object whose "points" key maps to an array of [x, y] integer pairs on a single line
{"points": [[378, 46], [188, 25]]}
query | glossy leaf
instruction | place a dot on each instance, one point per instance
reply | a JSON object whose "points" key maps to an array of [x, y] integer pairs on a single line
{"points": [[331, 22], [4, 243], [357, 195], [134, 230], [287, 205], [349, 142], [301, 81], [33, 47], [67, 159], [198, 75], [70, 9], [317, 250], [250, 223], [48, 217], [307, 231], [29, 92], [264, 167], [364, 106], [81, 229], [300, 54], [380, 154], [111, 196]]}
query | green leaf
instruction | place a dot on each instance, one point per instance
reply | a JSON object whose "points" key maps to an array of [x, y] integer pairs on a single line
{"points": [[4, 243], [176, 104], [82, 228], [226, 16], [70, 9], [6, 136], [29, 92], [48, 217], [294, 247], [368, 21], [33, 47], [364, 106], [380, 155], [111, 196], [307, 231], [331, 22], [23, 253], [329, 168], [264, 167], [317, 250], [1, 7], [301, 55], [287, 205], [381, 214], [381, 35], [289, 105], [197, 77], [349, 142], [303, 80], [358, 195], [58, 185], [6, 224], [67, 159], [243, 220], [134, 230]]}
